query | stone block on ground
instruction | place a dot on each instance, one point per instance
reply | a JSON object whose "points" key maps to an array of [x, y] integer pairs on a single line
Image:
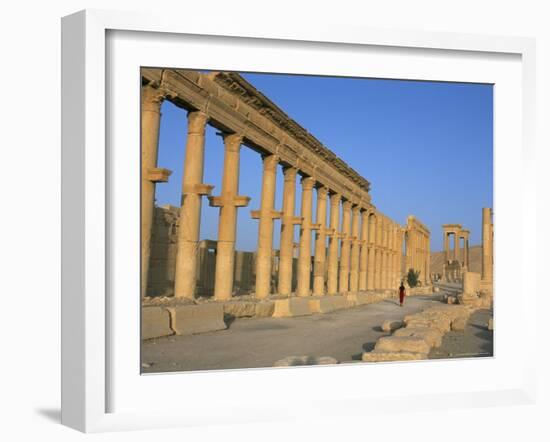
{"points": [[471, 282], [380, 356], [451, 300], [408, 344], [265, 309], [490, 324], [391, 325], [458, 324], [240, 309], [291, 307], [193, 319], [327, 304], [432, 336], [294, 361], [360, 298], [155, 322]]}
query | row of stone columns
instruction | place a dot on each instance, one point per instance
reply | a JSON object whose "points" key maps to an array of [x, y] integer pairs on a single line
{"points": [[418, 252], [363, 254]]}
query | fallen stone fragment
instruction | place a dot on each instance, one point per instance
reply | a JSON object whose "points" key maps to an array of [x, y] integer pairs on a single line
{"points": [[379, 356], [155, 322], [293, 361], [264, 309], [408, 344], [432, 336], [389, 325], [458, 324], [192, 319], [240, 309]]}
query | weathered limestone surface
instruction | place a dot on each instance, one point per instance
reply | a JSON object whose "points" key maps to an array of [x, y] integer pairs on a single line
{"points": [[291, 307], [458, 324], [193, 319], [265, 309], [430, 335], [155, 322], [471, 283], [293, 361], [389, 326], [410, 344], [490, 325], [381, 356], [327, 304], [240, 309]]}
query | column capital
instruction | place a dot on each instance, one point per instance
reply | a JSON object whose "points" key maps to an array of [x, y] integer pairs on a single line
{"points": [[335, 199], [151, 98], [322, 191], [346, 205], [356, 209], [270, 163], [290, 173], [232, 142], [307, 182], [196, 122]]}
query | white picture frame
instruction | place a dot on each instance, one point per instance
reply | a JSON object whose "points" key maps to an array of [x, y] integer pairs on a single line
{"points": [[88, 317]]}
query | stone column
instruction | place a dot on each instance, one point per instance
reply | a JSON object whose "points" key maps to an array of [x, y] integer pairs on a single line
{"points": [[467, 252], [320, 243], [364, 252], [378, 255], [384, 256], [304, 259], [151, 100], [393, 257], [355, 243], [428, 261], [190, 212], [288, 222], [371, 252], [332, 263], [266, 214], [228, 202], [487, 246], [408, 250], [457, 248], [343, 282], [446, 242]]}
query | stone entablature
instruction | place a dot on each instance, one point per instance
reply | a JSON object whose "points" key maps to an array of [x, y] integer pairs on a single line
{"points": [[235, 106]]}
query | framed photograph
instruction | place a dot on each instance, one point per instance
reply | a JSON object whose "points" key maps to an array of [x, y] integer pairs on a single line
{"points": [[280, 222]]}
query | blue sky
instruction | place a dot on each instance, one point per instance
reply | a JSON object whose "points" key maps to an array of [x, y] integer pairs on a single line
{"points": [[425, 147]]}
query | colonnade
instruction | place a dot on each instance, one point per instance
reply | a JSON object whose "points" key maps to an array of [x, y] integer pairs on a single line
{"points": [[463, 257], [363, 253], [418, 248]]}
